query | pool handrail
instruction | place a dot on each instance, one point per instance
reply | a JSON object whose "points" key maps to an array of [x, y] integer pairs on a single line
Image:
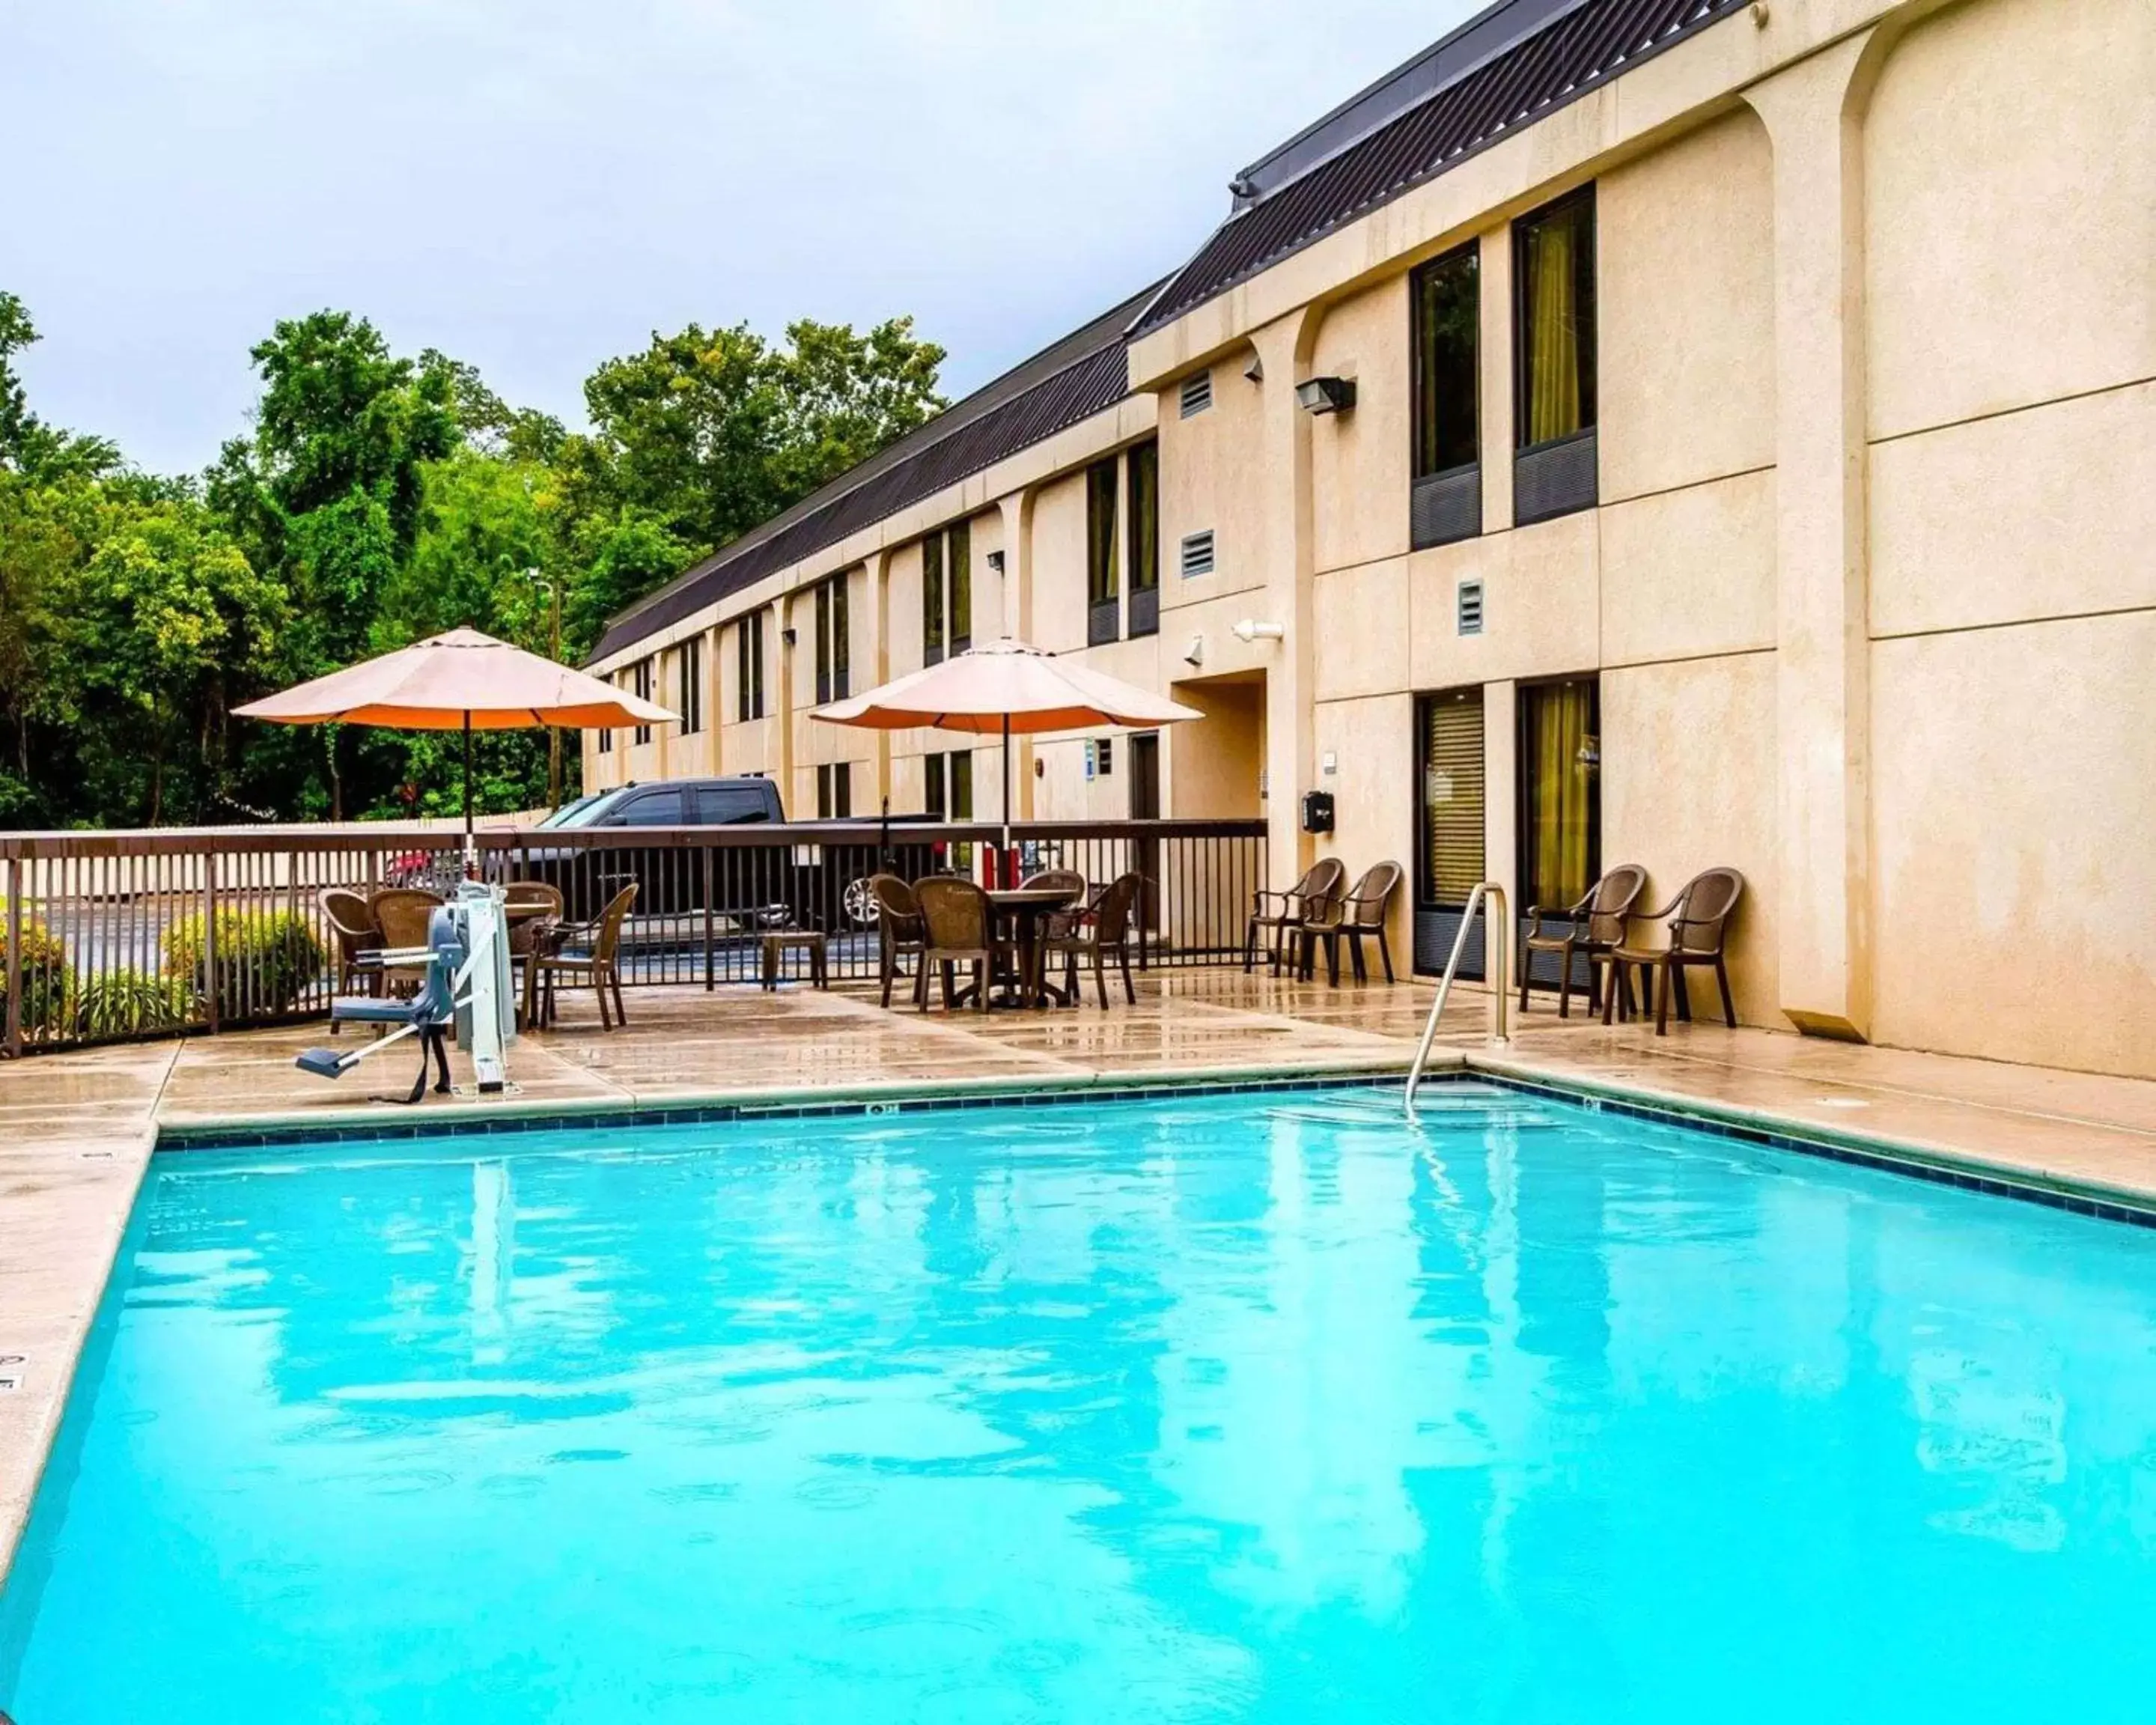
{"points": [[1489, 897]]}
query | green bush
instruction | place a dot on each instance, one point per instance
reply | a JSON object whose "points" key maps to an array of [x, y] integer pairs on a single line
{"points": [[48, 978], [132, 1002], [264, 958]]}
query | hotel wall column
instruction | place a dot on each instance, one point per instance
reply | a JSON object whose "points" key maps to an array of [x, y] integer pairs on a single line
{"points": [[1501, 792], [1280, 524], [714, 713], [1813, 113], [784, 718], [1494, 346], [875, 655], [1017, 602]]}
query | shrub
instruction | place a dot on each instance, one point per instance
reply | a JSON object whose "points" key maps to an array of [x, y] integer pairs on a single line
{"points": [[127, 1001], [48, 978], [264, 958]]}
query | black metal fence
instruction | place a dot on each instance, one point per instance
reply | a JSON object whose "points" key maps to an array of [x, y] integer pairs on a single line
{"points": [[115, 935]]}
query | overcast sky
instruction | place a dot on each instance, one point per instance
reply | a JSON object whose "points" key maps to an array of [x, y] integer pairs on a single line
{"points": [[534, 185]]}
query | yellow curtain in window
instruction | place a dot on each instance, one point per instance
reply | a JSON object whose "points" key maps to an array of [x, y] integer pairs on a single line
{"points": [[1554, 357], [1562, 791]]}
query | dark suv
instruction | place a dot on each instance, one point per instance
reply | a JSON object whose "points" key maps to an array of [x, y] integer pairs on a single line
{"points": [[669, 880], [673, 803]]}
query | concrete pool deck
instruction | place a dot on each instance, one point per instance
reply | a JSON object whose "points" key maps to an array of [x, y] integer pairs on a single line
{"points": [[77, 1129]]}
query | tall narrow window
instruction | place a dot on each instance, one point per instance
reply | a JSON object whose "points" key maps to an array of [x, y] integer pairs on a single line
{"points": [[640, 683], [1553, 323], [823, 642], [931, 770], [748, 667], [959, 560], [961, 784], [606, 741], [1445, 302], [1144, 470], [932, 599], [755, 664], [1560, 800], [833, 648], [1102, 584], [689, 666], [834, 790]]}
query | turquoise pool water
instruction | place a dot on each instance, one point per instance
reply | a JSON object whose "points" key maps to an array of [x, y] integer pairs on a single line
{"points": [[1251, 1407]]}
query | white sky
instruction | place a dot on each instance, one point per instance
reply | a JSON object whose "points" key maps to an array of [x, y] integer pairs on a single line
{"points": [[534, 185]]}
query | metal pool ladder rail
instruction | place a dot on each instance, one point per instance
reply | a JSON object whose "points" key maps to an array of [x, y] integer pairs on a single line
{"points": [[1490, 898]]}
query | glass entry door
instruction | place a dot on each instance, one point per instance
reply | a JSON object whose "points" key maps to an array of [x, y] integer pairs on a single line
{"points": [[1450, 834], [1560, 803]]}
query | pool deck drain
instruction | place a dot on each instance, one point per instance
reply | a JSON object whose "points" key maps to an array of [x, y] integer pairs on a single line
{"points": [[77, 1130]]}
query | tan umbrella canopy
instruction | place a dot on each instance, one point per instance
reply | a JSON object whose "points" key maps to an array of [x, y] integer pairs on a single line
{"points": [[1003, 687], [464, 681]]}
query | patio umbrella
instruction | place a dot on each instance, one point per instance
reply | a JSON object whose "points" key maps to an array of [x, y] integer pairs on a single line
{"points": [[1003, 687], [461, 681]]}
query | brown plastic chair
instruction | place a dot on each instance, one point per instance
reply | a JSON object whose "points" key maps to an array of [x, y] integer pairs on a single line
{"points": [[588, 955], [1596, 925], [402, 914], [899, 932], [1361, 912], [1100, 931], [1285, 913], [1699, 918], [1062, 922], [355, 932], [958, 925]]}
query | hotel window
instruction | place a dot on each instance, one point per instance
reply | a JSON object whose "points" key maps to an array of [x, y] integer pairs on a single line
{"points": [[1446, 311], [606, 738], [949, 780], [640, 682], [834, 641], [1102, 583], [1144, 536], [1560, 792], [748, 647], [688, 667], [1553, 359], [834, 790], [1449, 860], [946, 592]]}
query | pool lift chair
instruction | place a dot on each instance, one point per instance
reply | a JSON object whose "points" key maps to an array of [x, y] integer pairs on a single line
{"points": [[465, 984]]}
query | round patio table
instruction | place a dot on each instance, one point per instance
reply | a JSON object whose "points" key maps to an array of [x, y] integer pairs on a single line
{"points": [[1025, 908]]}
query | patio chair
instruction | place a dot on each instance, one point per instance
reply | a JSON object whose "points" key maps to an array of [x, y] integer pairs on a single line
{"points": [[1596, 925], [900, 931], [1068, 880], [354, 932], [587, 955], [959, 928], [1361, 912], [403, 915], [1284, 912], [1699, 918], [1100, 931]]}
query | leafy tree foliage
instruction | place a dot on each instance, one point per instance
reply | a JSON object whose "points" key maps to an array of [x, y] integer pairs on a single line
{"points": [[377, 499]]}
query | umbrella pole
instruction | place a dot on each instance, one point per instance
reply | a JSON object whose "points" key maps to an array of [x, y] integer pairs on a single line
{"points": [[471, 855], [1004, 867]]}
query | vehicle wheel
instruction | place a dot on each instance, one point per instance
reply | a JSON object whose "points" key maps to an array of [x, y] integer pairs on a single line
{"points": [[861, 902]]}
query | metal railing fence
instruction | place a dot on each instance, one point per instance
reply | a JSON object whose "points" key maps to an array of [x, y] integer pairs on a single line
{"points": [[114, 935]]}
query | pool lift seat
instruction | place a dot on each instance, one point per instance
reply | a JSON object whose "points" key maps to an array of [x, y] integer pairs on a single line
{"points": [[427, 1013]]}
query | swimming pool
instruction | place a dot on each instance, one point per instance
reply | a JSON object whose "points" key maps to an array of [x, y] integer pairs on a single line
{"points": [[1250, 1407]]}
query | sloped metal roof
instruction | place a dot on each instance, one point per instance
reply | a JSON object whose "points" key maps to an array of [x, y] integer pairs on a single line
{"points": [[1075, 379], [1484, 100]]}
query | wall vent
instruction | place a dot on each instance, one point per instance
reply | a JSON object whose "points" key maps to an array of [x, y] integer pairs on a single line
{"points": [[1198, 553], [1471, 607], [1197, 393]]}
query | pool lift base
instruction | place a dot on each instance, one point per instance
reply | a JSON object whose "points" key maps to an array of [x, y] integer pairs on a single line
{"points": [[466, 985]]}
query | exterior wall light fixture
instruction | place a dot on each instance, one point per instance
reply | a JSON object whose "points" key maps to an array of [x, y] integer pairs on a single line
{"points": [[1248, 629], [788, 635], [1326, 395]]}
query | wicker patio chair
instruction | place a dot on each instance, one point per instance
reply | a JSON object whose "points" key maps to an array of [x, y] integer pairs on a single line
{"points": [[1100, 932], [1699, 918], [1284, 912], [1361, 912], [354, 932], [1594, 927], [588, 955], [958, 925], [402, 916], [899, 932], [536, 908]]}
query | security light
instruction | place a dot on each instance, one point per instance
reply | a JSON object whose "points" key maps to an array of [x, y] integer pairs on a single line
{"points": [[1326, 395]]}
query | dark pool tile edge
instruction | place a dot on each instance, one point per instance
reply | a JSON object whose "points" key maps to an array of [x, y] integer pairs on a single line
{"points": [[1859, 1149]]}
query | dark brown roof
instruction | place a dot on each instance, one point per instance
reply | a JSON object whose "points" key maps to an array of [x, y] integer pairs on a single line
{"points": [[1071, 381], [1465, 94]]}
